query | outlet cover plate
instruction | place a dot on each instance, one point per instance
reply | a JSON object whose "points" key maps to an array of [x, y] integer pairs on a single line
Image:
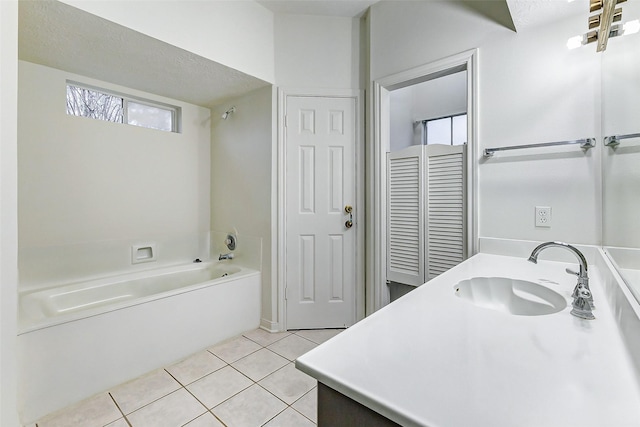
{"points": [[543, 216]]}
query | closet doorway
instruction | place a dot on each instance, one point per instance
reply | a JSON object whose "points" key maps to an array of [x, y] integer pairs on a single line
{"points": [[424, 114]]}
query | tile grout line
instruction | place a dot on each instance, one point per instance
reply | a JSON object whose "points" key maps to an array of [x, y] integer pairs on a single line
{"points": [[119, 409], [248, 354], [314, 423], [227, 364], [218, 419], [262, 346], [147, 404], [265, 346], [287, 406], [272, 418], [229, 398], [291, 406], [279, 369], [206, 410], [308, 339]]}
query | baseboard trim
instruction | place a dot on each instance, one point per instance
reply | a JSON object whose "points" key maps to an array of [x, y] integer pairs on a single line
{"points": [[269, 326]]}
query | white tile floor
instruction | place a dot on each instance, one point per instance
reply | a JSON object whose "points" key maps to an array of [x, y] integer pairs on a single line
{"points": [[248, 381]]}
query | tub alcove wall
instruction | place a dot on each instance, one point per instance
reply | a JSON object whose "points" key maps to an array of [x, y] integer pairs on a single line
{"points": [[241, 187], [90, 190]]}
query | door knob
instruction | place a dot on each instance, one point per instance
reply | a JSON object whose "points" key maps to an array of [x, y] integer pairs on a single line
{"points": [[349, 209]]}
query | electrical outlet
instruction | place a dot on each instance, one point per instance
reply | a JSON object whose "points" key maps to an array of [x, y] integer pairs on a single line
{"points": [[543, 216]]}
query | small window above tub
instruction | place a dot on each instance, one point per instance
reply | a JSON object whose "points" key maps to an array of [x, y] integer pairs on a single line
{"points": [[100, 104]]}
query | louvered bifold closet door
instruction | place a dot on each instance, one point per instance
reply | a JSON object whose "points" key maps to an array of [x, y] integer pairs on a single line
{"points": [[446, 208], [405, 213]]}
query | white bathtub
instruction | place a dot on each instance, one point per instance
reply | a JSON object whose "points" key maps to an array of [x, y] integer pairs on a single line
{"points": [[83, 338], [68, 302]]}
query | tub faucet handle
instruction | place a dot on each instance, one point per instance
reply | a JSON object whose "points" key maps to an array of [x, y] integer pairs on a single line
{"points": [[231, 241]]}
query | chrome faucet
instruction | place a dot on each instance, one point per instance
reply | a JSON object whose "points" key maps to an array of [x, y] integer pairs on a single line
{"points": [[225, 256], [582, 299]]}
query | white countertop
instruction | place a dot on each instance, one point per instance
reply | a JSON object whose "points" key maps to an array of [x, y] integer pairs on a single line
{"points": [[433, 359]]}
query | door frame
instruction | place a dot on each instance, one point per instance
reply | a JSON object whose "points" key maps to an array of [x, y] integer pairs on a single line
{"points": [[376, 289], [359, 217]]}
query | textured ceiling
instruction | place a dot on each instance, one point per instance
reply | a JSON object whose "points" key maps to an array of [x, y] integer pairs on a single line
{"points": [[514, 14], [346, 8], [60, 36], [63, 37], [531, 13]]}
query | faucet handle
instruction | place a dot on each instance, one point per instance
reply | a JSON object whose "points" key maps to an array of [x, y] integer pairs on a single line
{"points": [[570, 271], [582, 307], [583, 292]]}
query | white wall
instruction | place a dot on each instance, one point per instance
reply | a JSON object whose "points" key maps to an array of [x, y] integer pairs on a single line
{"points": [[441, 97], [444, 96], [407, 34], [402, 128], [620, 115], [314, 54], [238, 34], [8, 211], [85, 184], [532, 90], [241, 187], [317, 52]]}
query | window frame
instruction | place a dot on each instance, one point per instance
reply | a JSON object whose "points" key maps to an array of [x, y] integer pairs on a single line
{"points": [[176, 112], [424, 127]]}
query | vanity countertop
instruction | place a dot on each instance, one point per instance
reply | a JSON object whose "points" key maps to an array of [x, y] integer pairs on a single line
{"points": [[433, 359]]}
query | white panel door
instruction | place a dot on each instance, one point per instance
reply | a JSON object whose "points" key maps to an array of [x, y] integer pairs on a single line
{"points": [[320, 144]]}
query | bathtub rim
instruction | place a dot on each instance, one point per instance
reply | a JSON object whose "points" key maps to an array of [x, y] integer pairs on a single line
{"points": [[27, 325]]}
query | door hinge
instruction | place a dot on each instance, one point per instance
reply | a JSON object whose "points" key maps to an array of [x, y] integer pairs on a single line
{"points": [[286, 119], [285, 293]]}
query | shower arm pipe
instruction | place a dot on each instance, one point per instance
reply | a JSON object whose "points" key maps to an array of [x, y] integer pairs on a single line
{"points": [[584, 143], [229, 111], [614, 140]]}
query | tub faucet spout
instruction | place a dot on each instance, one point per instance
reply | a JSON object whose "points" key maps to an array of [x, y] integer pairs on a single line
{"points": [[225, 256], [582, 298]]}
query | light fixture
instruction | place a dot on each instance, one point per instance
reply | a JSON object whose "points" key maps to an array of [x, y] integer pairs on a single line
{"points": [[631, 27], [603, 21], [575, 42], [604, 25]]}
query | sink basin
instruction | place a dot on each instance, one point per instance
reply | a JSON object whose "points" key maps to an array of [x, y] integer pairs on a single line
{"points": [[512, 296]]}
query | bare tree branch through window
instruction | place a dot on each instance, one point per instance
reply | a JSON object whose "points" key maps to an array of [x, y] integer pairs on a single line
{"points": [[110, 107], [97, 105]]}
